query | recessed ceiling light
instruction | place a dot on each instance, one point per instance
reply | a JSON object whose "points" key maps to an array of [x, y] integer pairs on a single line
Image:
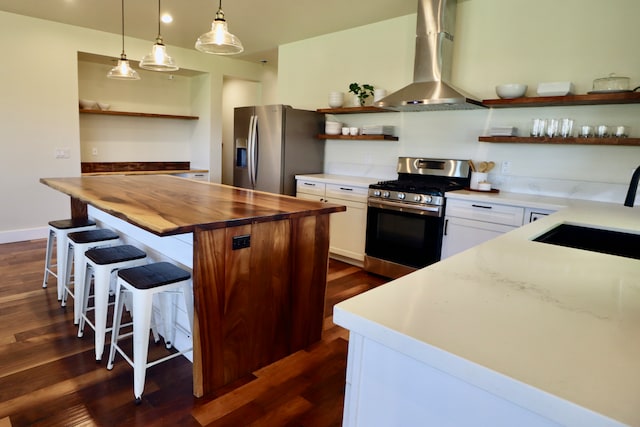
{"points": [[166, 18]]}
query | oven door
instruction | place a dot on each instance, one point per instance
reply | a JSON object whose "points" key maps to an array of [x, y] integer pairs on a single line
{"points": [[405, 238]]}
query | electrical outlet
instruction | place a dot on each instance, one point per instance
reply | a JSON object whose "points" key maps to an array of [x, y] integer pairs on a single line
{"points": [[94, 151], [506, 167], [240, 242], [62, 153]]}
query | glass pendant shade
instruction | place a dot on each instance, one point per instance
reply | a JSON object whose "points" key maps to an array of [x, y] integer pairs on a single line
{"points": [[219, 40], [158, 60], [123, 70]]}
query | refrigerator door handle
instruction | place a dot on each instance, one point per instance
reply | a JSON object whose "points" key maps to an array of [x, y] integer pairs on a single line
{"points": [[254, 153], [250, 151]]}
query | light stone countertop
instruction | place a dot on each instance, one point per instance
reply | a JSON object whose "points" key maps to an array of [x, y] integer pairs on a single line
{"points": [[538, 324], [356, 181]]}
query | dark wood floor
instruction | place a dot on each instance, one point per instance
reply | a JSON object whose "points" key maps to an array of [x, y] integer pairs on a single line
{"points": [[48, 376]]}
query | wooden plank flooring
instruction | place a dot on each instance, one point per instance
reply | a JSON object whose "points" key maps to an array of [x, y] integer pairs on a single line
{"points": [[48, 376]]}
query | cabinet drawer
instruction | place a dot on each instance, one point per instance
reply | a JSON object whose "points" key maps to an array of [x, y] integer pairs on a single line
{"points": [[347, 192], [310, 187], [483, 211]]}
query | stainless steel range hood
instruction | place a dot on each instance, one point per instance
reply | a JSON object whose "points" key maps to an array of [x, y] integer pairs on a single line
{"points": [[430, 89]]}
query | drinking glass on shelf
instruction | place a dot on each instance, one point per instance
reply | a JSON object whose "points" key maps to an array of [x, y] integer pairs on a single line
{"points": [[538, 127], [622, 131], [553, 126], [566, 128], [586, 131], [602, 131]]}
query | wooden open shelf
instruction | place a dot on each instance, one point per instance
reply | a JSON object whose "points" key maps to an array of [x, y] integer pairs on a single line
{"points": [[353, 110], [552, 101], [360, 137], [132, 114], [559, 141]]}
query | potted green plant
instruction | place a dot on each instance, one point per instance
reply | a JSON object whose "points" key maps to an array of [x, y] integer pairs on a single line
{"points": [[362, 92]]}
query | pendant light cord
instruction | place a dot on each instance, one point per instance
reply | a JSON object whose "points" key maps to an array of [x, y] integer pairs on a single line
{"points": [[122, 28], [159, 36]]}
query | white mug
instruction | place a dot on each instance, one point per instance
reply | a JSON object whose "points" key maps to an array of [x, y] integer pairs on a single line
{"points": [[353, 131]]}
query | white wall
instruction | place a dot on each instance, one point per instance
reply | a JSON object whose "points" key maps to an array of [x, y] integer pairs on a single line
{"points": [[121, 139], [497, 41], [39, 112]]}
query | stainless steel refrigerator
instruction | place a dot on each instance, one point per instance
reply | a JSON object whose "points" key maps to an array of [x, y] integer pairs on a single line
{"points": [[273, 143]]}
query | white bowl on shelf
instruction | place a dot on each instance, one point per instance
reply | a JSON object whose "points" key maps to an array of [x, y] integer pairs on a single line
{"points": [[103, 106], [332, 128], [511, 90], [87, 104]]}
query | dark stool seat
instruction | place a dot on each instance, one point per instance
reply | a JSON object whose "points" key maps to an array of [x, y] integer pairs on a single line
{"points": [[91, 236], [114, 254], [65, 224], [153, 275]]}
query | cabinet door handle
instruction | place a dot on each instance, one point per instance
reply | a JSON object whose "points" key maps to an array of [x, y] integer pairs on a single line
{"points": [[309, 184], [481, 206], [346, 189], [446, 223]]}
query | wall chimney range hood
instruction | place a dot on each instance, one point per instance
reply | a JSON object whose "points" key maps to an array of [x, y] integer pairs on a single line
{"points": [[430, 90]]}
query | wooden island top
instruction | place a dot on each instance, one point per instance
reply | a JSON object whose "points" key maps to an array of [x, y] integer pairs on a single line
{"points": [[254, 303], [167, 205]]}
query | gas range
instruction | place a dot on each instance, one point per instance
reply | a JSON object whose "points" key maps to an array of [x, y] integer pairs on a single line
{"points": [[420, 186], [405, 217]]}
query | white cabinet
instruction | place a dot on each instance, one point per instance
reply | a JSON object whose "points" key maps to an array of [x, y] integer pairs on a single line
{"points": [[348, 229], [469, 223], [198, 176]]}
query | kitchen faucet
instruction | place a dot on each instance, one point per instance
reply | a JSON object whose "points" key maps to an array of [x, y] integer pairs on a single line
{"points": [[633, 188]]}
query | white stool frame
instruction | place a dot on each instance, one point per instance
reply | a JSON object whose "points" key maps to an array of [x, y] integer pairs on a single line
{"points": [[102, 274], [141, 311], [60, 236], [76, 252]]}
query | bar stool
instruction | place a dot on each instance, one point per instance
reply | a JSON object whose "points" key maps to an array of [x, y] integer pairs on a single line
{"points": [[143, 283], [80, 242], [101, 263], [58, 231]]}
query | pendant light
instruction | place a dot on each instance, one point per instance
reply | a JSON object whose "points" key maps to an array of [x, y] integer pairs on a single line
{"points": [[123, 70], [158, 60], [219, 40]]}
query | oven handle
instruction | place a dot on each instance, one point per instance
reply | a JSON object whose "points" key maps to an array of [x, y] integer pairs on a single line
{"points": [[404, 207]]}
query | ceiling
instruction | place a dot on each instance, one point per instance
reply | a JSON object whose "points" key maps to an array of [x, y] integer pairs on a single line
{"points": [[260, 25]]}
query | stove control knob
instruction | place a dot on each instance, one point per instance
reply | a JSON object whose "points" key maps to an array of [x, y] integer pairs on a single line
{"points": [[385, 194], [376, 193], [428, 199], [417, 198], [401, 196]]}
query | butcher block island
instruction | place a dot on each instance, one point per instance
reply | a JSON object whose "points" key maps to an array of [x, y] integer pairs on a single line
{"points": [[259, 262]]}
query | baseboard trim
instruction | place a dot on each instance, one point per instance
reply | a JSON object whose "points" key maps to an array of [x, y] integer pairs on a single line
{"points": [[11, 236]]}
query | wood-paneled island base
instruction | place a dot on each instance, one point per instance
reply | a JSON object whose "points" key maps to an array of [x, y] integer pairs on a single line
{"points": [[253, 305]]}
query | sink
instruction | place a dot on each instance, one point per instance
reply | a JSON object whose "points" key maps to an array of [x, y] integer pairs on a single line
{"points": [[593, 239]]}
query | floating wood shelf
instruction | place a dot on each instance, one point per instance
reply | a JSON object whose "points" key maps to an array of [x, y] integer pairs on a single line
{"points": [[360, 137], [569, 100], [560, 141], [353, 110], [132, 114]]}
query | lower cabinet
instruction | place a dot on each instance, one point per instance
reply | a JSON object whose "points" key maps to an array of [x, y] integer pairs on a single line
{"points": [[469, 223], [348, 229]]}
